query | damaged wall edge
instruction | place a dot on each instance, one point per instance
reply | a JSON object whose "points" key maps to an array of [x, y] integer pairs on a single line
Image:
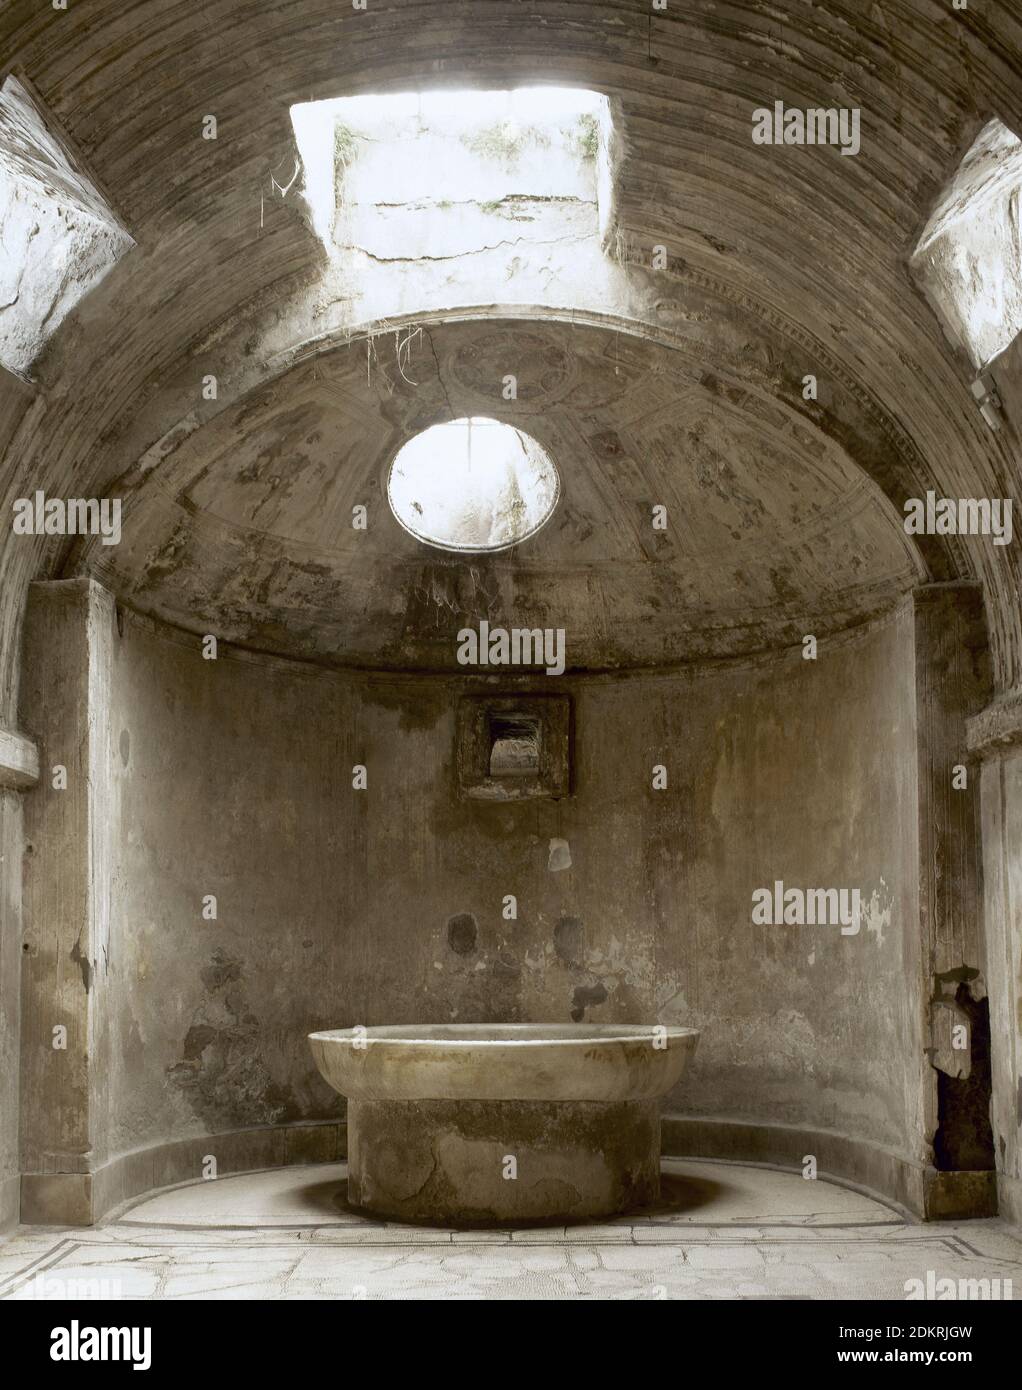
{"points": [[64, 956], [19, 772]]}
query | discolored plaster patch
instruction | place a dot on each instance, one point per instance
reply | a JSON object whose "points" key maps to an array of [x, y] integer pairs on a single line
{"points": [[83, 963], [559, 857], [569, 940], [424, 713], [220, 971], [462, 933], [877, 912], [585, 997], [221, 1071]]}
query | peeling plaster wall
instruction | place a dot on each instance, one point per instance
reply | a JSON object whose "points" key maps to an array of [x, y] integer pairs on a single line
{"points": [[338, 906]]}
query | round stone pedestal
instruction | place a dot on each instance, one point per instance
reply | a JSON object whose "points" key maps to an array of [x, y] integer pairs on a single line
{"points": [[490, 1123], [492, 1161]]}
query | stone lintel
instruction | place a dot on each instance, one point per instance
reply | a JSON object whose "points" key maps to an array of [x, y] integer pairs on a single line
{"points": [[19, 761], [998, 728]]}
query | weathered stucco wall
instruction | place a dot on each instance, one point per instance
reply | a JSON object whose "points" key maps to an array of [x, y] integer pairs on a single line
{"points": [[10, 987], [337, 906], [70, 989], [1002, 835]]}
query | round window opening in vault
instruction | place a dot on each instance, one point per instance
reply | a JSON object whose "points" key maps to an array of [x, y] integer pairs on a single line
{"points": [[472, 484]]}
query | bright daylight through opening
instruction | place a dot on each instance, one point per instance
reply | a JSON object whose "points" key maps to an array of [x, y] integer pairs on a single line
{"points": [[473, 484], [442, 174]]}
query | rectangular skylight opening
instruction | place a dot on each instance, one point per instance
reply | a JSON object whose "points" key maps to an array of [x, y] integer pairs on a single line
{"points": [[437, 175]]}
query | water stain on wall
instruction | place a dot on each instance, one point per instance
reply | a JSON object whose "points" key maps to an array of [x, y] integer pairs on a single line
{"points": [[221, 1070]]}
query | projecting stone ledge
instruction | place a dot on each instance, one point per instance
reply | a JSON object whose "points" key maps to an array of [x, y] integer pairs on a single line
{"points": [[19, 761], [998, 727]]}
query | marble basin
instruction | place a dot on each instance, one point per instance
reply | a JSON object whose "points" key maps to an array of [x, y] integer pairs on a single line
{"points": [[494, 1123]]}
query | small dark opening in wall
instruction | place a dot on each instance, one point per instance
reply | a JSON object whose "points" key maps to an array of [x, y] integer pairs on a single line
{"points": [[514, 745], [964, 1140]]}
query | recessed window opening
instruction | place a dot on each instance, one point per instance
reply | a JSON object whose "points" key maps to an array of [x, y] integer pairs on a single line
{"points": [[443, 174], [969, 258], [472, 485], [514, 745], [59, 236]]}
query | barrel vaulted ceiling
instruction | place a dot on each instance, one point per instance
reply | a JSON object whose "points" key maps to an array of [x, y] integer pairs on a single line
{"points": [[780, 262]]}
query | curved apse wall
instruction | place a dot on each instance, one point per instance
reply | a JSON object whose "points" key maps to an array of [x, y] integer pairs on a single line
{"points": [[336, 906]]}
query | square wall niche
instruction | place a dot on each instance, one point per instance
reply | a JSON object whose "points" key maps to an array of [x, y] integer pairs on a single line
{"points": [[514, 747]]}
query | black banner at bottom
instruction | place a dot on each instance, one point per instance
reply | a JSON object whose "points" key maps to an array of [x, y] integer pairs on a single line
{"points": [[177, 1338]]}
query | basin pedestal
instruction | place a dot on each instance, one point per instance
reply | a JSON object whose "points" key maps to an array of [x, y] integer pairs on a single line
{"points": [[493, 1161], [483, 1124]]}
